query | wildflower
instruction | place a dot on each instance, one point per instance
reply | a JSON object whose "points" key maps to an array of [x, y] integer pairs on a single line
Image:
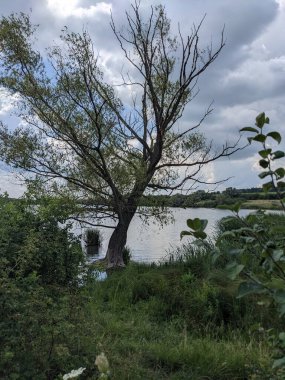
{"points": [[74, 373], [102, 363]]}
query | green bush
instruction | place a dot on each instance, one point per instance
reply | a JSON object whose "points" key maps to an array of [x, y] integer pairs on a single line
{"points": [[30, 244], [40, 311], [227, 224], [92, 236], [127, 255]]}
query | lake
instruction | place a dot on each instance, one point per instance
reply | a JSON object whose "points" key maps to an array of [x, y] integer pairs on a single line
{"points": [[151, 242]]}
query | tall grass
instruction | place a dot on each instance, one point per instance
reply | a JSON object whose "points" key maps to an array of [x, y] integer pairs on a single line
{"points": [[179, 320]]}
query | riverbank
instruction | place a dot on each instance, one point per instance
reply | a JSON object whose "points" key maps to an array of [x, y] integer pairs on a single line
{"points": [[176, 319], [253, 198], [262, 204], [252, 204]]}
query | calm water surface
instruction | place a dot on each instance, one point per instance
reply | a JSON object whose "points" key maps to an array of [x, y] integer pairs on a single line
{"points": [[151, 242]]}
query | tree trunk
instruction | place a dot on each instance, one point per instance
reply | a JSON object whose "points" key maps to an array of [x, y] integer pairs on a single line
{"points": [[118, 241]]}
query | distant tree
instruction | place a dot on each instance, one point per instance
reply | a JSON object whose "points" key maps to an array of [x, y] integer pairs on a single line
{"points": [[231, 191], [83, 139]]}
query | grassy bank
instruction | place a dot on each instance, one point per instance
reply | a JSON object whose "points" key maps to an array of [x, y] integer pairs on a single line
{"points": [[176, 320], [262, 204]]}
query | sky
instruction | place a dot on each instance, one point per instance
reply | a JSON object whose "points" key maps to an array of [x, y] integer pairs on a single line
{"points": [[247, 78]]}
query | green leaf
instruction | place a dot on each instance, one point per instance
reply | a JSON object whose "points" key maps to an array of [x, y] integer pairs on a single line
{"points": [[276, 136], [185, 233], [236, 251], [227, 234], [270, 244], [249, 239], [260, 137], [249, 129], [264, 164], [246, 288], [243, 230], [251, 218], [197, 224], [278, 154], [198, 243], [204, 223], [281, 336], [194, 224], [216, 255], [265, 152], [200, 234], [236, 207], [282, 309], [276, 284], [264, 174], [233, 270], [190, 223], [281, 184], [279, 296], [260, 120], [280, 172], [267, 186], [278, 363], [259, 229]]}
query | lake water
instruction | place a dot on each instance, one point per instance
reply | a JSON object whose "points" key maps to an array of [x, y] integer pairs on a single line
{"points": [[151, 242]]}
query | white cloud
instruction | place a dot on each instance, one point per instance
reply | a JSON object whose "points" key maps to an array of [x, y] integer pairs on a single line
{"points": [[6, 101], [281, 3], [67, 8], [257, 73], [11, 184]]}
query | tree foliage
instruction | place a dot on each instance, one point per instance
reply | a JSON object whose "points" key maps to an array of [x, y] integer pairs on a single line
{"points": [[93, 146], [32, 243], [40, 312]]}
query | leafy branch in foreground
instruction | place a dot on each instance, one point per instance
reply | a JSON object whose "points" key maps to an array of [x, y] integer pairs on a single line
{"points": [[259, 257], [268, 156], [197, 227]]}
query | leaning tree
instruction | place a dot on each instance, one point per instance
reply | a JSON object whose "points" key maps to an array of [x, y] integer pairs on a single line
{"points": [[83, 139]]}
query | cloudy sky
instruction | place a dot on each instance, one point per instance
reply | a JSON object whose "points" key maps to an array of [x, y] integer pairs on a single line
{"points": [[248, 77]]}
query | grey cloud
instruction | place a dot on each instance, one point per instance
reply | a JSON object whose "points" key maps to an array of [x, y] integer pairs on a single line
{"points": [[247, 78], [10, 184]]}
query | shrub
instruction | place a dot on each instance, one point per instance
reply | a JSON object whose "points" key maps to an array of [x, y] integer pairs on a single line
{"points": [[258, 255], [93, 240], [30, 244], [127, 255], [40, 310], [93, 236]]}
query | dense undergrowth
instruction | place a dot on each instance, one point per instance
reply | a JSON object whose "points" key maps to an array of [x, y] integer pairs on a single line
{"points": [[176, 320]]}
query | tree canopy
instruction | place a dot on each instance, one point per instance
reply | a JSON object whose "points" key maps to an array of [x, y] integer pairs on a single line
{"points": [[79, 138]]}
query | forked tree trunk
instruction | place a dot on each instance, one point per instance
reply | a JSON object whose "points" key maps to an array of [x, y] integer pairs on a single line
{"points": [[118, 241]]}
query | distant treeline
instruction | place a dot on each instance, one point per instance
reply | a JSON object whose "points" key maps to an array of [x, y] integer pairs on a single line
{"points": [[203, 198]]}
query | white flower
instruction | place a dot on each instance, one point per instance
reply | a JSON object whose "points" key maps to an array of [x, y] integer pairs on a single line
{"points": [[102, 363], [74, 373]]}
